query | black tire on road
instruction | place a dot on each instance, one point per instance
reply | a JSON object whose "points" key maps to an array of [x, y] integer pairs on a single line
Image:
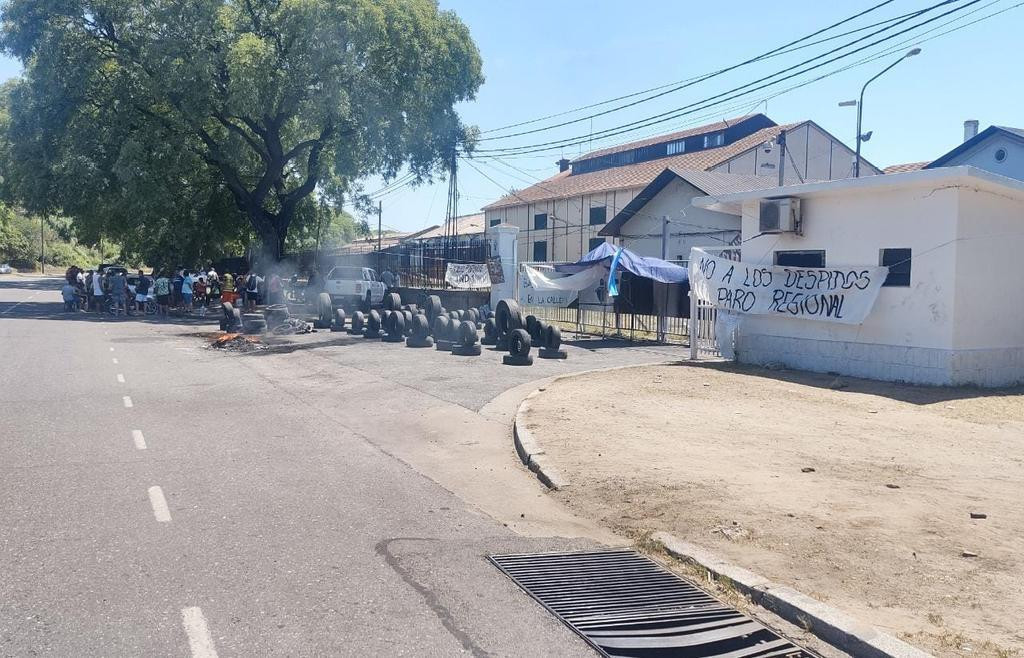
{"points": [[358, 321], [540, 333], [531, 322], [420, 327], [553, 338], [324, 309], [392, 301], [396, 324], [339, 318], [473, 315], [467, 333], [373, 321], [432, 306], [441, 327], [509, 316], [490, 329], [519, 343]]}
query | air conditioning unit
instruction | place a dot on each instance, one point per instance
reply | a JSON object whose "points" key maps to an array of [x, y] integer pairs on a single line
{"points": [[779, 216]]}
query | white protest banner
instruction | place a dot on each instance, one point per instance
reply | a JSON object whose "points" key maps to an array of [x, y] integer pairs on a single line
{"points": [[545, 287], [843, 294], [467, 275]]}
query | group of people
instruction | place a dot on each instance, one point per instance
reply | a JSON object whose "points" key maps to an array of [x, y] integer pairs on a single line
{"points": [[113, 290]]}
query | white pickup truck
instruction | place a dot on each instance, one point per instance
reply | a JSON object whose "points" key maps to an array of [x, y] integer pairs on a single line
{"points": [[351, 287]]}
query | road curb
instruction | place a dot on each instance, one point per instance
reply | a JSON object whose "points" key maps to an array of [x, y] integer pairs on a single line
{"points": [[828, 623], [530, 452]]}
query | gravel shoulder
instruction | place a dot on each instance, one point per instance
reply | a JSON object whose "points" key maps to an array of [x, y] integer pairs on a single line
{"points": [[857, 493]]}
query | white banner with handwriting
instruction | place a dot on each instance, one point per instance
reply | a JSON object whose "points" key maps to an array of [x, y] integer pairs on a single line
{"points": [[839, 294]]}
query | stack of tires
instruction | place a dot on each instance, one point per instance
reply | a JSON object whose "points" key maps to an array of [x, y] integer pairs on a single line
{"points": [[358, 324], [546, 337], [419, 332], [324, 311], [465, 337], [442, 328], [373, 325]]}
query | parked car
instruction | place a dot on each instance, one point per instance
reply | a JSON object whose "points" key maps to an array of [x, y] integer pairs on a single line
{"points": [[5, 268], [350, 287]]}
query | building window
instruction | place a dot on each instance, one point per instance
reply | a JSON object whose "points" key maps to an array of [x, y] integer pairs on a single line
{"points": [[898, 262], [598, 215], [677, 147], [540, 251], [711, 141], [495, 222], [540, 221], [595, 243], [805, 258], [1000, 155]]}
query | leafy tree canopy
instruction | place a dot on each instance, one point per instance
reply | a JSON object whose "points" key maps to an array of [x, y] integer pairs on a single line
{"points": [[163, 122]]}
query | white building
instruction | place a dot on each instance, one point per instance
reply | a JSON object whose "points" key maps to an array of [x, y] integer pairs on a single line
{"points": [[999, 149], [953, 310], [561, 218], [661, 220]]}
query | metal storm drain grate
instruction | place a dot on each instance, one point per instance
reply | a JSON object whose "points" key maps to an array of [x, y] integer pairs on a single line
{"points": [[624, 604]]}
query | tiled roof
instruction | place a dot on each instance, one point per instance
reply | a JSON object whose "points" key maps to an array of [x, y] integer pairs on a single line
{"points": [[467, 225], [905, 167], [564, 185], [711, 183], [699, 130]]}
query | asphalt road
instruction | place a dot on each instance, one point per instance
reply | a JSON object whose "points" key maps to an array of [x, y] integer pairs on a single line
{"points": [[327, 497]]}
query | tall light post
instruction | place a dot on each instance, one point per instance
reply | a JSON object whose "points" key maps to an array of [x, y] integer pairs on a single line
{"points": [[860, 106]]}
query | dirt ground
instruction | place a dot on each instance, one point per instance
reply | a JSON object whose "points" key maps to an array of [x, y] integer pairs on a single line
{"points": [[882, 527]]}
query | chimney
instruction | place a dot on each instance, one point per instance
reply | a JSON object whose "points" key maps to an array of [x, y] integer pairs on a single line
{"points": [[563, 164], [970, 129]]}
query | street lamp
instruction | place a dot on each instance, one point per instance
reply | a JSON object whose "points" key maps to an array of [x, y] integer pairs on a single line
{"points": [[860, 107]]}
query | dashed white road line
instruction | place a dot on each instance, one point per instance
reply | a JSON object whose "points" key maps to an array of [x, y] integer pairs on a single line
{"points": [[159, 503], [198, 632], [127, 402], [140, 441], [115, 361], [120, 378]]}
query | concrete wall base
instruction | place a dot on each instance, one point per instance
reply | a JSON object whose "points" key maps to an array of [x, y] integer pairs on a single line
{"points": [[914, 365]]}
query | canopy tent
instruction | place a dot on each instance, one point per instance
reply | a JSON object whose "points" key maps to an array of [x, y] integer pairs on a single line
{"points": [[642, 266]]}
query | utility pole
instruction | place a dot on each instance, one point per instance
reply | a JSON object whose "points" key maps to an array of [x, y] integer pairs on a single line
{"points": [[380, 213], [782, 158], [662, 319], [42, 243]]}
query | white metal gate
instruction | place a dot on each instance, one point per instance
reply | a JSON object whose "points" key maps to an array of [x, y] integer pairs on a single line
{"points": [[704, 325]]}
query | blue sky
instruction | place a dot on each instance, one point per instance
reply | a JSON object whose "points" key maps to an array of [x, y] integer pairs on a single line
{"points": [[542, 57]]}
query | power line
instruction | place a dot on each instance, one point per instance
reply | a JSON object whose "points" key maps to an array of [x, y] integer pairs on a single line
{"points": [[676, 86], [707, 102]]}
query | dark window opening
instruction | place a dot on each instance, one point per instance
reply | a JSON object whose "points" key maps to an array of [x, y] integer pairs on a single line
{"points": [[595, 243], [540, 221], [598, 215], [898, 262], [495, 222], [804, 258], [540, 251]]}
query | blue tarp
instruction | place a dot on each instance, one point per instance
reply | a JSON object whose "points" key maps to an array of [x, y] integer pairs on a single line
{"points": [[643, 266]]}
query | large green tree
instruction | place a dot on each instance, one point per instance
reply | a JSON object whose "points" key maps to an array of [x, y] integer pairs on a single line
{"points": [[167, 111]]}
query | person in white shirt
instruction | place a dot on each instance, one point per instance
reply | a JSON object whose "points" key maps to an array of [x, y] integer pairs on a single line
{"points": [[97, 290]]}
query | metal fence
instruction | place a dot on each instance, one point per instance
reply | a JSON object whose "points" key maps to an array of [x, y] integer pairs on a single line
{"points": [[630, 316], [421, 264]]}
